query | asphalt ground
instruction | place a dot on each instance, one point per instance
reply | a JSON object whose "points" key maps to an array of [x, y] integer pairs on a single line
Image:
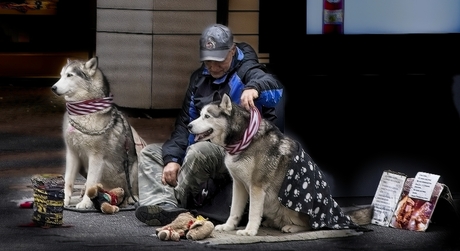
{"points": [[31, 143]]}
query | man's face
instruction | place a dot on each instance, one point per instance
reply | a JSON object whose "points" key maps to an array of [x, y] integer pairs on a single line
{"points": [[220, 68]]}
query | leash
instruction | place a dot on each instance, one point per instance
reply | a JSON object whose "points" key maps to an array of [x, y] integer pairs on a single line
{"points": [[126, 161], [249, 133], [82, 129]]}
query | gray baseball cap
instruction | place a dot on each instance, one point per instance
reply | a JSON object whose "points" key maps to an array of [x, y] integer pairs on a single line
{"points": [[215, 42]]}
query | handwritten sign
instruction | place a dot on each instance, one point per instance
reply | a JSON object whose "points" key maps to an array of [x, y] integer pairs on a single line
{"points": [[423, 186]]}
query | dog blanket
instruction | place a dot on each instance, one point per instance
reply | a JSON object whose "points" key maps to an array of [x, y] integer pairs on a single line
{"points": [[305, 190]]}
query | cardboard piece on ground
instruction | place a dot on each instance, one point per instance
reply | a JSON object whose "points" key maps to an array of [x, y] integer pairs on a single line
{"points": [[274, 235]]}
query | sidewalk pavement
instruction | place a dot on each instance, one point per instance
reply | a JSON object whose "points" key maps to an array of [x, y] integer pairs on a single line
{"points": [[31, 143]]}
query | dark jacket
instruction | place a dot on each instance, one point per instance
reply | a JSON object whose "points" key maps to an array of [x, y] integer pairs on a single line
{"points": [[245, 73]]}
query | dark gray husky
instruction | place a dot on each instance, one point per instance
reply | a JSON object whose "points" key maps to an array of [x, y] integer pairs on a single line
{"points": [[284, 185]]}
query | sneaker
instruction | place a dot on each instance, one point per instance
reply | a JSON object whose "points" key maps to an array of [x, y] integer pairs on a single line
{"points": [[158, 215]]}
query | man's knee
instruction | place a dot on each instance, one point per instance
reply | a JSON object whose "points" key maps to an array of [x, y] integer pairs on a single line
{"points": [[151, 150], [204, 160], [150, 155], [203, 149]]}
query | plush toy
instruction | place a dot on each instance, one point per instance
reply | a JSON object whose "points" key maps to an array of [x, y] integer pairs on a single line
{"points": [[106, 201], [186, 226], [200, 229]]}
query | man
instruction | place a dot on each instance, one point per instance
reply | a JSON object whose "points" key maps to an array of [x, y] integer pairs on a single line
{"points": [[171, 174]]}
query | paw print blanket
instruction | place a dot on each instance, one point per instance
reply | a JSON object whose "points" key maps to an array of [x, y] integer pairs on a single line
{"points": [[305, 190]]}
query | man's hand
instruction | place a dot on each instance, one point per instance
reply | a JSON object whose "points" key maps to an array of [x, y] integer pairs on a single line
{"points": [[247, 98], [170, 172]]}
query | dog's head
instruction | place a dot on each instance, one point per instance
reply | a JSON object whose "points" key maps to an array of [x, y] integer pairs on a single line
{"points": [[220, 122], [212, 124], [81, 80]]}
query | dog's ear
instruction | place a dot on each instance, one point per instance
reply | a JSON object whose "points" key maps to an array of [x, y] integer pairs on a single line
{"points": [[226, 104], [91, 65]]}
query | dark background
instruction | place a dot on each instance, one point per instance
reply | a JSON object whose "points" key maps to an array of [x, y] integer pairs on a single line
{"points": [[361, 104]]}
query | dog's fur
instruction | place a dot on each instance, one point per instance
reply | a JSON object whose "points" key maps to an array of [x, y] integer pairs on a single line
{"points": [[258, 171], [101, 146]]}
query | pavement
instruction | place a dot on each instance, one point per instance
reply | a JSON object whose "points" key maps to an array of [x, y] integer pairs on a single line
{"points": [[31, 143]]}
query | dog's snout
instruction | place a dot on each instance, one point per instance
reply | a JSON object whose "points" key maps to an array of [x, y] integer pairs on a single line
{"points": [[55, 89], [189, 126]]}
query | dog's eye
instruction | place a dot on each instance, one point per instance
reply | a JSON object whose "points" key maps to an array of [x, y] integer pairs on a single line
{"points": [[206, 116], [69, 75]]}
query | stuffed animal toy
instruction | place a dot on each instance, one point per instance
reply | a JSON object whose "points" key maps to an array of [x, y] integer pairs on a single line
{"points": [[200, 229], [106, 201], [186, 226]]}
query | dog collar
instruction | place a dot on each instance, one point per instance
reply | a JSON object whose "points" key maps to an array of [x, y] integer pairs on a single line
{"points": [[88, 106], [249, 133]]}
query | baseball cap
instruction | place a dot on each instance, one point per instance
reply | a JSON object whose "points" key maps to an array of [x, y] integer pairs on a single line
{"points": [[215, 42]]}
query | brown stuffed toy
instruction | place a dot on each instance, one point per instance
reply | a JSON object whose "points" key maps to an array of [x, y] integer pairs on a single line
{"points": [[186, 226], [106, 201]]}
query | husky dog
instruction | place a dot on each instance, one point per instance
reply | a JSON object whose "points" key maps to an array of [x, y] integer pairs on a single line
{"points": [[100, 143], [282, 182]]}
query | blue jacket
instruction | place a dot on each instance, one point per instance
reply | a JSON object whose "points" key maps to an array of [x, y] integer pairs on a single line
{"points": [[245, 73]]}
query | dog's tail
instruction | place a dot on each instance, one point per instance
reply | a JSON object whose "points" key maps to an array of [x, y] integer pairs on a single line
{"points": [[361, 215]]}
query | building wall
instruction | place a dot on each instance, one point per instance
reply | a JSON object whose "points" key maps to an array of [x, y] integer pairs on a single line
{"points": [[148, 49], [243, 20]]}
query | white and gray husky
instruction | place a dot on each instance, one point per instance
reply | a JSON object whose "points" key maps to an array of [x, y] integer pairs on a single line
{"points": [[100, 143], [283, 184]]}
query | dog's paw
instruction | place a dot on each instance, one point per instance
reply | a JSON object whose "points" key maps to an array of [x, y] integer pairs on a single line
{"points": [[224, 227], [294, 229], [85, 204], [246, 232]]}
